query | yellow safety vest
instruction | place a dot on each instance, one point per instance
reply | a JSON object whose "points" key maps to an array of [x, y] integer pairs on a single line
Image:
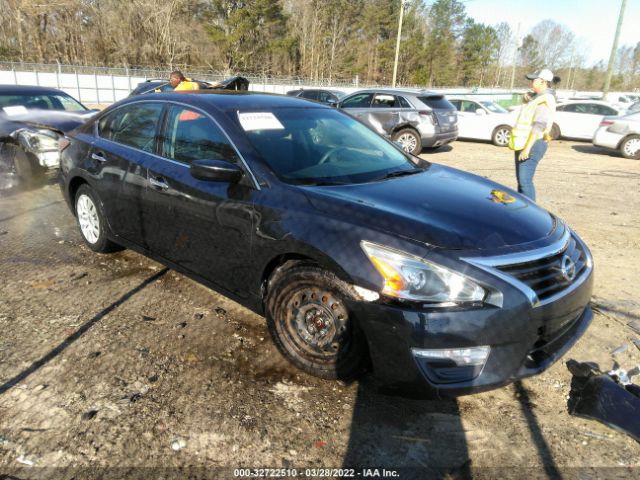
{"points": [[521, 131], [187, 84]]}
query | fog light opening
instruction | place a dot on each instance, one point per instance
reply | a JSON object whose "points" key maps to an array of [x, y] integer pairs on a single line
{"points": [[462, 357]]}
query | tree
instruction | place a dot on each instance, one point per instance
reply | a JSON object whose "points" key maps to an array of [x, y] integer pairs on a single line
{"points": [[480, 48], [554, 42], [446, 23]]}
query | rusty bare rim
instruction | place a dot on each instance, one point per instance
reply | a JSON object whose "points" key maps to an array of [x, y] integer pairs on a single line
{"points": [[316, 324]]}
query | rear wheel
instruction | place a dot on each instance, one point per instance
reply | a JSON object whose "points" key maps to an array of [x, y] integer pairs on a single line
{"points": [[409, 139], [501, 136], [311, 324], [630, 147], [554, 133], [92, 221]]}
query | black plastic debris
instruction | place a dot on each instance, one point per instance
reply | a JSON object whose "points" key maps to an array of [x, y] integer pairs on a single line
{"points": [[609, 398], [635, 326]]}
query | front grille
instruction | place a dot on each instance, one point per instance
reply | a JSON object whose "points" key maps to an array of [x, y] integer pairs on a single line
{"points": [[544, 275]]}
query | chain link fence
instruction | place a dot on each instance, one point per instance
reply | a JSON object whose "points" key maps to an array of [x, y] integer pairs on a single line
{"points": [[95, 85]]}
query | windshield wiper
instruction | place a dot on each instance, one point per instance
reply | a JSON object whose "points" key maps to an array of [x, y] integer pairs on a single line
{"points": [[399, 173]]}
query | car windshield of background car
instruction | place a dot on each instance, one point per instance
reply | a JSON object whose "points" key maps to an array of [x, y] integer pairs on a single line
{"points": [[493, 107], [322, 146]]}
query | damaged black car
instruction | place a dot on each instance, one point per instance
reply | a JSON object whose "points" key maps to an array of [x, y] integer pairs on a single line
{"points": [[32, 120]]}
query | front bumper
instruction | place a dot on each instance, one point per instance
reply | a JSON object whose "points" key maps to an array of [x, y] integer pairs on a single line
{"points": [[524, 339]]}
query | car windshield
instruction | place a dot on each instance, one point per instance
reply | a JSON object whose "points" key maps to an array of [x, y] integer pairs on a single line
{"points": [[339, 95], [46, 101], [322, 146], [634, 107], [493, 107]]}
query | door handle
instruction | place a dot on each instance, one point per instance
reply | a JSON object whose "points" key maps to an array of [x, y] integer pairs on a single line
{"points": [[99, 157], [158, 183]]}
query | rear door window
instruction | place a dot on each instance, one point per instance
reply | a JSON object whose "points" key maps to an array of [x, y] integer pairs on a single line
{"points": [[134, 125], [384, 100], [437, 102], [360, 100], [403, 102], [190, 135], [310, 94]]}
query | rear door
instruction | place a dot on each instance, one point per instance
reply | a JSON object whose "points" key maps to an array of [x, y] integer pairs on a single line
{"points": [[125, 142], [204, 226], [384, 113]]}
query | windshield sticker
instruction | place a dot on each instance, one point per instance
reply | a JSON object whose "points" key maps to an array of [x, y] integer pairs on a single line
{"points": [[15, 110], [259, 121]]}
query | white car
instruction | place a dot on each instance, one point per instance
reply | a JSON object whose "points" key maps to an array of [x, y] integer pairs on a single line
{"points": [[580, 118], [620, 133], [483, 120]]}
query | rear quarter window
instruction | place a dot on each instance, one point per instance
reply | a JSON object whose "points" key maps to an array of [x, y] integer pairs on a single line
{"points": [[437, 102]]}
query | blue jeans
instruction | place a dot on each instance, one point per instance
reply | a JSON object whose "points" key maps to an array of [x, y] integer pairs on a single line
{"points": [[526, 169]]}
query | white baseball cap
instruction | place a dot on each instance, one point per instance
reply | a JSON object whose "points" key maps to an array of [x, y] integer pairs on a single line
{"points": [[544, 74]]}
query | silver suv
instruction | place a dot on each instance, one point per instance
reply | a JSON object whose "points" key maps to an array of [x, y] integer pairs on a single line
{"points": [[416, 119]]}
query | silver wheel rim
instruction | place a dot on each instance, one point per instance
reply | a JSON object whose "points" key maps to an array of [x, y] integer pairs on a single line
{"points": [[408, 142], [88, 218], [502, 136], [631, 147]]}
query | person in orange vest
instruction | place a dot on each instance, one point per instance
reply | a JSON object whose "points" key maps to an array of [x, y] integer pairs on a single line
{"points": [[179, 82]]}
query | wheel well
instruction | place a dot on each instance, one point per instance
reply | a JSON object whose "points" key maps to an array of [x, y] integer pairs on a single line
{"points": [[625, 138], [278, 262], [74, 185], [501, 126], [403, 127]]}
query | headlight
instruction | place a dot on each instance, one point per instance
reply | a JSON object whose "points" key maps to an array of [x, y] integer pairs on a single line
{"points": [[413, 278], [41, 140]]}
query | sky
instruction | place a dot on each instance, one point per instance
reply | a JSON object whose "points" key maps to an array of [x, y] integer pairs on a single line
{"points": [[592, 21]]}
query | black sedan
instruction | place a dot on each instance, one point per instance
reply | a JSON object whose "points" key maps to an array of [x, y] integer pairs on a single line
{"points": [[358, 254], [32, 119]]}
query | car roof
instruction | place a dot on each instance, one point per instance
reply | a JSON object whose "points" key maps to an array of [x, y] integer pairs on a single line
{"points": [[399, 91], [597, 102], [27, 89], [233, 100]]}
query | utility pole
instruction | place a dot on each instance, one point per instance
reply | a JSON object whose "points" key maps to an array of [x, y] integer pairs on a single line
{"points": [[395, 62], [614, 48], [515, 57]]}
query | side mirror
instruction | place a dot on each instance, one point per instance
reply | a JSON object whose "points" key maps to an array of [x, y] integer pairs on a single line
{"points": [[216, 170], [332, 103], [480, 111]]}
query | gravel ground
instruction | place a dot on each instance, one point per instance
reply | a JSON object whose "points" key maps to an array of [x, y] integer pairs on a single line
{"points": [[113, 366]]}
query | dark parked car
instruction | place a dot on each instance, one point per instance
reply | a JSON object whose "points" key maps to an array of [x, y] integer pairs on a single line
{"points": [[32, 119], [357, 253], [155, 86], [416, 119], [330, 97]]}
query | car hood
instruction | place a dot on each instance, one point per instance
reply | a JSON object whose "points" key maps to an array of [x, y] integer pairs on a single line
{"points": [[60, 121], [442, 207]]}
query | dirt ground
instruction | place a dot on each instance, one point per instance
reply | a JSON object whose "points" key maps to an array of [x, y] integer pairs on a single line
{"points": [[112, 366]]}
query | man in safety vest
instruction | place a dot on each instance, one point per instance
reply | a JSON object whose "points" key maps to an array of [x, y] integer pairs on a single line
{"points": [[530, 135], [179, 82]]}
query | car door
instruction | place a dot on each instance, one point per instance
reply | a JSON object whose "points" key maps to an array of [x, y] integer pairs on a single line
{"points": [[573, 120], [469, 122], [117, 159], [357, 105], [203, 226], [384, 113]]}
